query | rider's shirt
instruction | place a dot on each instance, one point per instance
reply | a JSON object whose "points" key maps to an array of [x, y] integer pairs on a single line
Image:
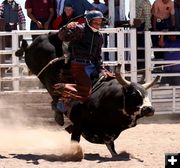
{"points": [[84, 43]]}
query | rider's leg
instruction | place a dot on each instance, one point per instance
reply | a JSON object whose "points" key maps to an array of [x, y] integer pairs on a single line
{"points": [[58, 115], [82, 80], [84, 84]]}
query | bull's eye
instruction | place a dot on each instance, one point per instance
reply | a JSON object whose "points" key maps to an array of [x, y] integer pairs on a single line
{"points": [[134, 94], [137, 99]]}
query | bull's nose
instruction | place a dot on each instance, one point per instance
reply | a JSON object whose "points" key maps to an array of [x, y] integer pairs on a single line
{"points": [[147, 111]]}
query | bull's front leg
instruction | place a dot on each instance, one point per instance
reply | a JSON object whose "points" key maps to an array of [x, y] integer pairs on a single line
{"points": [[76, 132], [111, 147]]}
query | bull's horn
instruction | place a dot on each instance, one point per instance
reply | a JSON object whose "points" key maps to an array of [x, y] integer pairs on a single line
{"points": [[150, 84], [122, 80], [119, 77]]}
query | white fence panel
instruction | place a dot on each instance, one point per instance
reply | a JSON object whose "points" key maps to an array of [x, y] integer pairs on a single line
{"points": [[123, 49], [17, 77]]}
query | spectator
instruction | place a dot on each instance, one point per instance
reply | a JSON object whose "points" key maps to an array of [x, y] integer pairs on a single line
{"points": [[171, 42], [177, 14], [143, 14], [162, 19], [40, 12], [80, 6], [117, 13], [66, 16], [60, 7], [106, 13], [163, 15], [100, 6], [12, 14], [55, 11]]}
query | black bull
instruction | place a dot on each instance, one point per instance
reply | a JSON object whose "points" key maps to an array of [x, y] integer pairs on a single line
{"points": [[114, 105]]}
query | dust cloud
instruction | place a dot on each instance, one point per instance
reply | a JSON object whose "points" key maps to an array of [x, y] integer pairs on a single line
{"points": [[21, 135]]}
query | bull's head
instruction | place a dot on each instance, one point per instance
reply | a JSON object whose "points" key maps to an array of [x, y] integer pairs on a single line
{"points": [[136, 97]]}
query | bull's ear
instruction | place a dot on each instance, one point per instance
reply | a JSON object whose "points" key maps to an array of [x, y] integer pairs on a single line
{"points": [[150, 84]]}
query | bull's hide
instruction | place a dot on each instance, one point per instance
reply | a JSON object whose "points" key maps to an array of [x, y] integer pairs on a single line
{"points": [[113, 106], [106, 113]]}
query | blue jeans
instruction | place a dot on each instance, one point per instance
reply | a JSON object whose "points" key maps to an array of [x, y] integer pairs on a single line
{"points": [[163, 24], [90, 69], [33, 25]]}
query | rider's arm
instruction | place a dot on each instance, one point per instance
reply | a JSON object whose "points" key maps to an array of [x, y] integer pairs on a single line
{"points": [[98, 56], [71, 32]]}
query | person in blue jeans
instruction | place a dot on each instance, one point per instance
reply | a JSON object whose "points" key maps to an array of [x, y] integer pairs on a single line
{"points": [[172, 41]]}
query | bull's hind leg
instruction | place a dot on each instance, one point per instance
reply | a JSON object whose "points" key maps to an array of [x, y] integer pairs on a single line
{"points": [[111, 147]]}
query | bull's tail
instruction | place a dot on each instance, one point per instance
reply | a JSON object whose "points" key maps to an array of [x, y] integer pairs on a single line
{"points": [[20, 53]]}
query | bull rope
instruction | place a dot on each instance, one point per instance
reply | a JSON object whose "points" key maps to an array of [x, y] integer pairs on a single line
{"points": [[51, 62], [140, 70], [156, 67], [144, 69]]}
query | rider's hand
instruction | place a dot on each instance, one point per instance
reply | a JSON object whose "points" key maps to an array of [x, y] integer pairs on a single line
{"points": [[61, 87], [70, 91], [72, 25], [70, 87]]}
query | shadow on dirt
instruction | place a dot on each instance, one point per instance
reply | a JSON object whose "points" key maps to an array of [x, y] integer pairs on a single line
{"points": [[34, 158], [123, 156], [3, 157]]}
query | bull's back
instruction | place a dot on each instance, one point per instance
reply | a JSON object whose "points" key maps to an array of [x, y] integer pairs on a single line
{"points": [[107, 97], [39, 54], [103, 117]]}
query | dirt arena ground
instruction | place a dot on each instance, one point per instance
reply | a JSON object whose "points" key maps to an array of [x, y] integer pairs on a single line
{"points": [[29, 138]]}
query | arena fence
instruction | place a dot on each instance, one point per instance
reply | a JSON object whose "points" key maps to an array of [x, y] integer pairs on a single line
{"points": [[119, 48]]}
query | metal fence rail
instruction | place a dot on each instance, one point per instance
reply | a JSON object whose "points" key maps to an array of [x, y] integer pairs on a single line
{"points": [[121, 48], [165, 98], [18, 66]]}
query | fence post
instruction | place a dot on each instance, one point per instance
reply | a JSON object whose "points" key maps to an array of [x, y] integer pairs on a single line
{"points": [[120, 48], [133, 55], [15, 61], [111, 35], [148, 53], [2, 46]]}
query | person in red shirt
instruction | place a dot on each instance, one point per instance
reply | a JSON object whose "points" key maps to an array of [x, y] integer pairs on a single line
{"points": [[40, 12], [66, 16]]}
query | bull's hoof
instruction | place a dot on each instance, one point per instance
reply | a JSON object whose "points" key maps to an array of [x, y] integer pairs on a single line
{"points": [[69, 128], [59, 118]]}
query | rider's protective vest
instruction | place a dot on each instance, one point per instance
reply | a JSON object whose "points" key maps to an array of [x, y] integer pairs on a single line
{"points": [[84, 43], [10, 12], [88, 47]]}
